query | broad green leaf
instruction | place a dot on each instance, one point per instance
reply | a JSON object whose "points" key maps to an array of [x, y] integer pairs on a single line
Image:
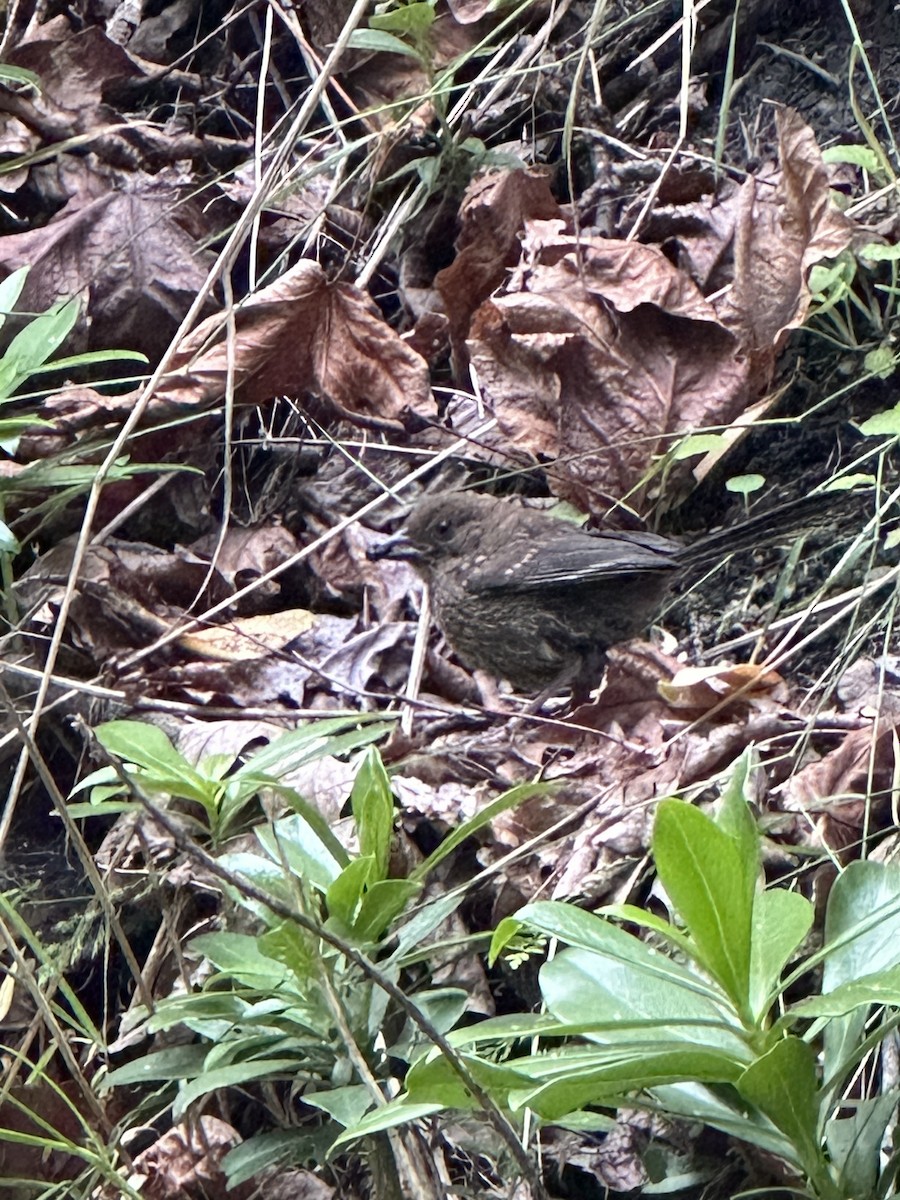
{"points": [[710, 879], [33, 345], [434, 1080], [239, 955], [264, 874], [583, 930], [348, 1105], [781, 920], [854, 1142], [389, 1116], [333, 735], [637, 1005], [697, 443], [268, 1150], [512, 798], [743, 485], [11, 290], [9, 543], [614, 1083], [733, 815], [883, 424], [877, 252], [722, 1109], [291, 840], [412, 936], [382, 42], [295, 948], [413, 19], [882, 987], [782, 1085], [855, 155], [862, 938], [148, 748], [20, 75]]}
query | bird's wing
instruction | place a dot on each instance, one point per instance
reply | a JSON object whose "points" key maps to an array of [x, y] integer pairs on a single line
{"points": [[572, 559]]}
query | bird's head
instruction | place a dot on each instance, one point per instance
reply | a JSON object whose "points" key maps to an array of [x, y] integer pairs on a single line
{"points": [[440, 528]]}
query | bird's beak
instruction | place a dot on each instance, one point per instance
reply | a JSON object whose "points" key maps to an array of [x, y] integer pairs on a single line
{"points": [[399, 546]]}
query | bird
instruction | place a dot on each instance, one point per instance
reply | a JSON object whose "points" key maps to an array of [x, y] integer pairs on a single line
{"points": [[537, 601]]}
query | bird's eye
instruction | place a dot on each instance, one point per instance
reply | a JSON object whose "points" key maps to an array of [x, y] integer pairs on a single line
{"points": [[442, 528]]}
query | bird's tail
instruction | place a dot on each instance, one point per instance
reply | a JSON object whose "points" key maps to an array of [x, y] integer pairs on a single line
{"points": [[781, 524]]}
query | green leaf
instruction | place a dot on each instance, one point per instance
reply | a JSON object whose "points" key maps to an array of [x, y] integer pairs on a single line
{"points": [[178, 1062], [782, 1084], [743, 485], [413, 20], [722, 1109], [781, 920], [232, 1076], [292, 946], [883, 424], [316, 739], [293, 842], [348, 1105], [877, 252], [11, 289], [881, 987], [711, 878], [630, 1003], [881, 362], [855, 156], [613, 1083], [382, 43], [862, 938], [240, 956], [381, 904], [511, 799], [148, 748], [344, 894], [372, 803], [697, 443], [389, 1116], [854, 1142], [268, 1150], [33, 345], [9, 543]]}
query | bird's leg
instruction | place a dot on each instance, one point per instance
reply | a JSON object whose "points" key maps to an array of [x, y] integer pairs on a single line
{"points": [[582, 681]]}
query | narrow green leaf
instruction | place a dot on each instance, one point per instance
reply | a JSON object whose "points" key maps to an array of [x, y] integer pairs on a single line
{"points": [[512, 798], [345, 893], [372, 802]]}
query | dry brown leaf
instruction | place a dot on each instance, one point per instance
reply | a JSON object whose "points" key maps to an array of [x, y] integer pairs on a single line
{"points": [[605, 349], [248, 638], [861, 766], [786, 222], [597, 351], [74, 69], [131, 251], [304, 334], [187, 1161], [704, 688], [492, 217]]}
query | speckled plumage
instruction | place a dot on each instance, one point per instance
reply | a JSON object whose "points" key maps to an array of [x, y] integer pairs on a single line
{"points": [[536, 600]]}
